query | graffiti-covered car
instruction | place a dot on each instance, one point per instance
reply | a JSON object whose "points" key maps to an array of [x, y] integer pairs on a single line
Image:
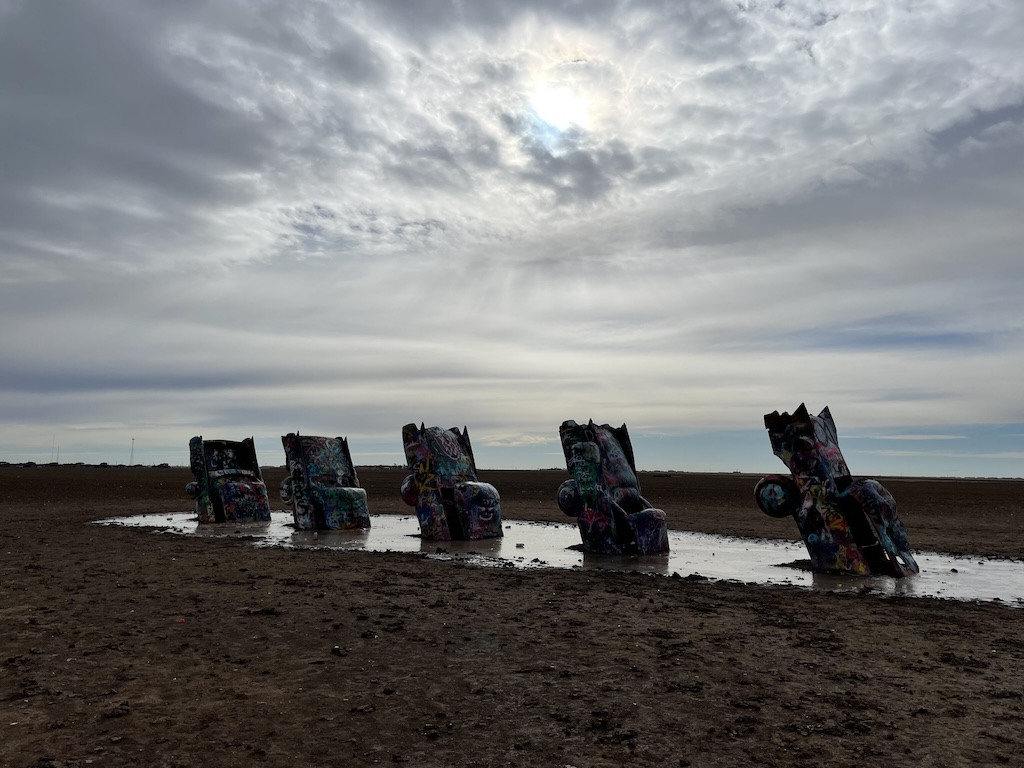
{"points": [[847, 524], [450, 501], [322, 486], [229, 485], [603, 493]]}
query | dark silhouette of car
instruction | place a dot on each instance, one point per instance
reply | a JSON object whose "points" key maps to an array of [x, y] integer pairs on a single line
{"points": [[848, 524], [603, 493], [229, 485]]}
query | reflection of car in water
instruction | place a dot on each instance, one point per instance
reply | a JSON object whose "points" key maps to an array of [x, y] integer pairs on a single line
{"points": [[322, 487], [450, 501], [229, 486], [604, 493], [848, 525]]}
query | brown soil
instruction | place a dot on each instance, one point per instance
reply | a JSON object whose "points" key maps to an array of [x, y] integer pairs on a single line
{"points": [[123, 648]]}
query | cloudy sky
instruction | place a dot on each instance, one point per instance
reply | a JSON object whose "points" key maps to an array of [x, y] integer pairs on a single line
{"points": [[247, 218]]}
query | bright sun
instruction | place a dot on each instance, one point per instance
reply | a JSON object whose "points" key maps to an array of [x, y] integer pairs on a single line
{"points": [[559, 107]]}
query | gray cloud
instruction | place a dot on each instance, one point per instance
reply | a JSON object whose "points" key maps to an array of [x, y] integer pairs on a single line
{"points": [[977, 125], [504, 214]]}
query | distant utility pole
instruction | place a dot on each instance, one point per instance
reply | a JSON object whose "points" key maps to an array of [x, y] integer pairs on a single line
{"points": [[131, 459]]}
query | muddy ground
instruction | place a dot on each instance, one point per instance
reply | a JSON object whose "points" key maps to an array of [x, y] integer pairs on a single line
{"points": [[120, 647]]}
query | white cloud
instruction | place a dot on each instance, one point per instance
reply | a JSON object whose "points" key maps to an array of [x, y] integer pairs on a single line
{"points": [[247, 216], [519, 441]]}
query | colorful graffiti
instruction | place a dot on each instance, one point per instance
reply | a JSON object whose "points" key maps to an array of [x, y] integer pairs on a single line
{"points": [[604, 493], [450, 500], [229, 486], [322, 487], [848, 525]]}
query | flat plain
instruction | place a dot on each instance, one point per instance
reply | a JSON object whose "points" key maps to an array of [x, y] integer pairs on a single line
{"points": [[120, 647]]}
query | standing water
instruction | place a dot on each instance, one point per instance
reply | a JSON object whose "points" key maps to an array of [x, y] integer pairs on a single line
{"points": [[555, 545]]}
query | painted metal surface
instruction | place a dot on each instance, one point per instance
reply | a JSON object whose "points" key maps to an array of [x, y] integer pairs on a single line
{"points": [[322, 486], [604, 493], [229, 486], [450, 501], [848, 525]]}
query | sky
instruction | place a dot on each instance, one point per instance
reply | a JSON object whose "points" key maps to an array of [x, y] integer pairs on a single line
{"points": [[251, 218]]}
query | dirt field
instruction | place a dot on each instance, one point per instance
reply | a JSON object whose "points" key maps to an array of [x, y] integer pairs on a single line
{"points": [[123, 648]]}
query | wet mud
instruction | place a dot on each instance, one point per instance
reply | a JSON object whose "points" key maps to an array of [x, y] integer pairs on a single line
{"points": [[119, 647]]}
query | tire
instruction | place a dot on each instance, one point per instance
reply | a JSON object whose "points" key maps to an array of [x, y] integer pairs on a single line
{"points": [[777, 496]]}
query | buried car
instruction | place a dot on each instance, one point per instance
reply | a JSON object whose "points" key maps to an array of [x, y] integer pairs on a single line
{"points": [[450, 501], [322, 487], [229, 485], [848, 525], [604, 493]]}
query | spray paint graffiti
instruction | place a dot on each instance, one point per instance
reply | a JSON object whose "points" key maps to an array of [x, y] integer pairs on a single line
{"points": [[604, 493], [450, 501], [322, 487], [229, 486], [848, 525]]}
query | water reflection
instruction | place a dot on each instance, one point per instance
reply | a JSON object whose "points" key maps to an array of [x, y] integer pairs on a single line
{"points": [[697, 555]]}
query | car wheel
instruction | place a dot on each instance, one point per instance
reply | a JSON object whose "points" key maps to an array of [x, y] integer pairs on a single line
{"points": [[777, 496]]}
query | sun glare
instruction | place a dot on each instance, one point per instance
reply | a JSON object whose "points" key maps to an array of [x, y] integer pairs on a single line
{"points": [[560, 108]]}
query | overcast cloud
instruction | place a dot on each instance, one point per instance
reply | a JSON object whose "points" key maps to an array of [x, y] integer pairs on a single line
{"points": [[243, 218]]}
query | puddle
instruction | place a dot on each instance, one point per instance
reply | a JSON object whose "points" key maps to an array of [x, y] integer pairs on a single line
{"points": [[546, 545]]}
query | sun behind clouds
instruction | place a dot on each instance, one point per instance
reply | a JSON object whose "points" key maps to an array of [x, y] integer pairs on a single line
{"points": [[560, 107]]}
